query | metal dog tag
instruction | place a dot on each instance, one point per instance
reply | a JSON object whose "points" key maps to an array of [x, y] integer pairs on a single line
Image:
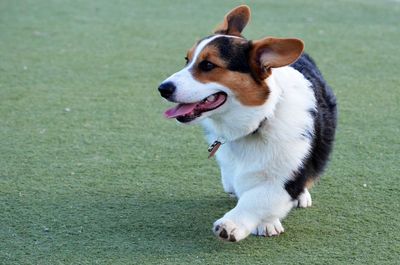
{"points": [[213, 148]]}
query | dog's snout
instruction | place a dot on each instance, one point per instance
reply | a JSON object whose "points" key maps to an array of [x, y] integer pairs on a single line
{"points": [[167, 89]]}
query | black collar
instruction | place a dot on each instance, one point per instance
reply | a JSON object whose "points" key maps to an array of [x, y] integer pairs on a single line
{"points": [[259, 126]]}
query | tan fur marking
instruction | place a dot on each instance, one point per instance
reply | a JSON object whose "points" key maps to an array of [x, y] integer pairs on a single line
{"points": [[190, 52], [247, 90], [311, 181]]}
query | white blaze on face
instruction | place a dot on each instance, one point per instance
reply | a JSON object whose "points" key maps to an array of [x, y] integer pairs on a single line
{"points": [[188, 89], [200, 48]]}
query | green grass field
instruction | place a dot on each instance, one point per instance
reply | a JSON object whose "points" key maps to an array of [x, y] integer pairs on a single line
{"points": [[91, 172]]}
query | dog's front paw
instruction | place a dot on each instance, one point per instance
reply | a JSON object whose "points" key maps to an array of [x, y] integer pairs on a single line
{"points": [[227, 230], [274, 228]]}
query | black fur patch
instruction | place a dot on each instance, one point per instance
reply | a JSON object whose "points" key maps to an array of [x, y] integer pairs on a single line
{"points": [[235, 52], [325, 119]]}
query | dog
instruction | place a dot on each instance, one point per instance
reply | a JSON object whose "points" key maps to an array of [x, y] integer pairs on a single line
{"points": [[269, 117]]}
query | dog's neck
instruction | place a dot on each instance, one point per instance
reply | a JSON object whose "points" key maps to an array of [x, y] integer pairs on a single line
{"points": [[223, 130], [214, 146], [240, 121]]}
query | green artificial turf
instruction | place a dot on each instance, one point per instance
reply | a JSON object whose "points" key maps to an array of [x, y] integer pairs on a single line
{"points": [[91, 172]]}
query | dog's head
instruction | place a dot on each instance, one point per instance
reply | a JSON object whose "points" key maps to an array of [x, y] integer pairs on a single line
{"points": [[225, 71]]}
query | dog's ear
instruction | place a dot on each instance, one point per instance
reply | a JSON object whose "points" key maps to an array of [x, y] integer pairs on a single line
{"points": [[234, 21], [272, 53]]}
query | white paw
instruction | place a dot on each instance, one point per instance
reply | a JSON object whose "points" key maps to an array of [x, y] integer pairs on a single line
{"points": [[304, 199], [269, 229], [227, 230]]}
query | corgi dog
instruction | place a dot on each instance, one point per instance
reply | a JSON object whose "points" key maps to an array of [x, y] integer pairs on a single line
{"points": [[269, 117]]}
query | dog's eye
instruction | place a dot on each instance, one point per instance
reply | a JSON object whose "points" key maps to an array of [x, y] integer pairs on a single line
{"points": [[206, 66], [187, 60]]}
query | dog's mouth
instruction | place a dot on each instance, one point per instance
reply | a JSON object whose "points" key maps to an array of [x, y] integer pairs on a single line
{"points": [[186, 112]]}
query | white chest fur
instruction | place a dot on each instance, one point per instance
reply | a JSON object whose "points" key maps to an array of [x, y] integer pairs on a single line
{"points": [[278, 147]]}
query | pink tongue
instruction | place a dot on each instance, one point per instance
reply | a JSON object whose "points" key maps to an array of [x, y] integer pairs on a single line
{"points": [[180, 110]]}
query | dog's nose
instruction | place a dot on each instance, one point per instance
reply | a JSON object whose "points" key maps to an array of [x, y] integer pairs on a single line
{"points": [[167, 89]]}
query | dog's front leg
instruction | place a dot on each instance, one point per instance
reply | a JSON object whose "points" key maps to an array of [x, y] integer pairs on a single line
{"points": [[265, 204], [227, 180]]}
